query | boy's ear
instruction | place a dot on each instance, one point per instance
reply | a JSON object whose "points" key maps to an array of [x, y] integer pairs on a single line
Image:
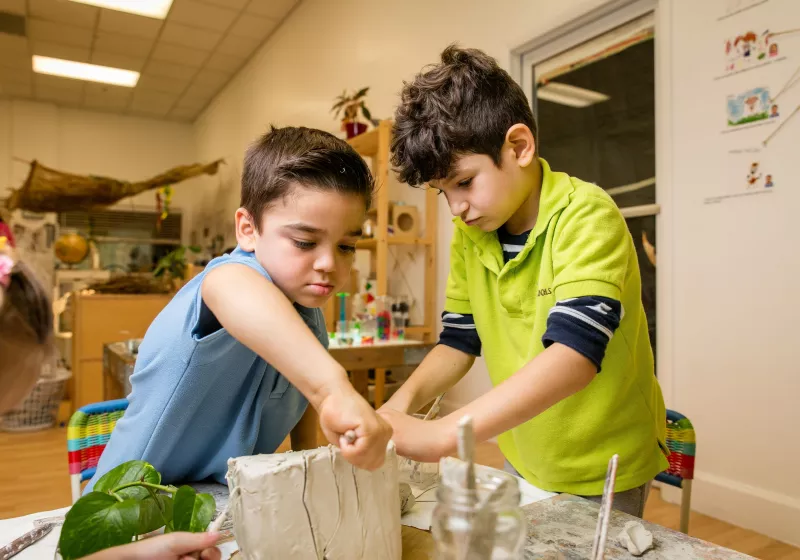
{"points": [[520, 138], [246, 230]]}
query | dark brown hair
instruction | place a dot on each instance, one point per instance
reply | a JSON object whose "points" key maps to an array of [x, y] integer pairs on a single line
{"points": [[463, 105], [310, 157], [26, 334]]}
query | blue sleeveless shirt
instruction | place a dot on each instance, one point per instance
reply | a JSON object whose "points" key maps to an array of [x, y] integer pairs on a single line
{"points": [[199, 396]]}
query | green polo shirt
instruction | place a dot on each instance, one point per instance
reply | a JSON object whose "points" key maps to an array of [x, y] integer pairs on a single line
{"points": [[580, 246]]}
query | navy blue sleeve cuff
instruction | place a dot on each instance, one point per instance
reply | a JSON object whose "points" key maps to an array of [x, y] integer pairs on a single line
{"points": [[459, 332], [585, 324]]}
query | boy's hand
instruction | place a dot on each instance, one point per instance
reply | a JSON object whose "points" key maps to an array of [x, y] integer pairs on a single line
{"points": [[346, 410], [421, 440]]}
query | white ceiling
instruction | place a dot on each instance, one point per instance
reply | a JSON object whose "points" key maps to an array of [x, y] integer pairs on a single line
{"points": [[184, 60]]}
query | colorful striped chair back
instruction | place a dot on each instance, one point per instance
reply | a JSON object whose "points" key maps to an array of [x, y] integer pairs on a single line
{"points": [[682, 448], [88, 432]]}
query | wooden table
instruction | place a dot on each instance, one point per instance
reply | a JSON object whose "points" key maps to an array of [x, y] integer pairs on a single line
{"points": [[563, 527], [358, 360]]}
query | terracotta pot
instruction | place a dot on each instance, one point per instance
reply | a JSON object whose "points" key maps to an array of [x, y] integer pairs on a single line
{"points": [[354, 129]]}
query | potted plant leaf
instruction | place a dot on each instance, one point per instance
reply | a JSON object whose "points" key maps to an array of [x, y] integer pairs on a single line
{"points": [[127, 503], [348, 107], [172, 267]]}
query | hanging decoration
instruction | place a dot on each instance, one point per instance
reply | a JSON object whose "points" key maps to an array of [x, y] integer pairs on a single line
{"points": [[49, 190], [163, 199]]}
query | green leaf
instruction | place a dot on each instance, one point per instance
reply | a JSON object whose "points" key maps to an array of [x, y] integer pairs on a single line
{"points": [[192, 511], [97, 521], [195, 248], [151, 517], [132, 471], [366, 111], [361, 93]]}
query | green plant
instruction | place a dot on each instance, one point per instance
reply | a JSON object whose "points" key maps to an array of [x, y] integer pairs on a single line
{"points": [[127, 502], [174, 263], [348, 106]]}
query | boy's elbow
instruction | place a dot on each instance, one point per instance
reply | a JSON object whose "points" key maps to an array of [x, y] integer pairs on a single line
{"points": [[586, 372], [583, 369]]}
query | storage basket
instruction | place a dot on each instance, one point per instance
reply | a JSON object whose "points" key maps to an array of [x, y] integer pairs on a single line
{"points": [[39, 410]]}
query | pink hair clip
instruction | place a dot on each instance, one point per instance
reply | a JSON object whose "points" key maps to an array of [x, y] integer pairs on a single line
{"points": [[6, 265]]}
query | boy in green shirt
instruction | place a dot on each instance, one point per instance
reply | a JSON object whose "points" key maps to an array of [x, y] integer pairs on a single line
{"points": [[543, 279]]}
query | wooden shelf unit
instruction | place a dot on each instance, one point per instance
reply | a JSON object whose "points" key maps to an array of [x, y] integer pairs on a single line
{"points": [[375, 144]]}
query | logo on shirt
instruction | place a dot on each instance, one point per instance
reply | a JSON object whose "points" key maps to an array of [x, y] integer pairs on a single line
{"points": [[544, 292]]}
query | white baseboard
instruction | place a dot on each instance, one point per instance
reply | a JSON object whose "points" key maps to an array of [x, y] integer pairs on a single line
{"points": [[766, 512]]}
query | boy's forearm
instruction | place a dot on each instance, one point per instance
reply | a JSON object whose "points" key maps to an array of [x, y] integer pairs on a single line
{"points": [[442, 368], [552, 376], [260, 316]]}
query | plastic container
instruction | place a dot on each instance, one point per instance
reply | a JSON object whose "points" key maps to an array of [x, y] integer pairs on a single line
{"points": [[383, 318]]}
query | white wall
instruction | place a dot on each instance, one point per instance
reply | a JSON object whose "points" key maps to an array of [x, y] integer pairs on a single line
{"points": [[87, 142], [725, 294], [733, 267]]}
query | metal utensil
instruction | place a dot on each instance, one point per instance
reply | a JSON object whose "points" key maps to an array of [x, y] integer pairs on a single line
{"points": [[30, 538], [601, 531]]}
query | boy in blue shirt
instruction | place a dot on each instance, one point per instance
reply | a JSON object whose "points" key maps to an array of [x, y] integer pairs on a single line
{"points": [[229, 366]]}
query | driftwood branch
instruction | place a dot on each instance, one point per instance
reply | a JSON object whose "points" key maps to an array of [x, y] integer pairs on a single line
{"points": [[49, 190]]}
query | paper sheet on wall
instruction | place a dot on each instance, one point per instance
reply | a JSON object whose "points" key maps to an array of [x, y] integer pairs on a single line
{"points": [[754, 93]]}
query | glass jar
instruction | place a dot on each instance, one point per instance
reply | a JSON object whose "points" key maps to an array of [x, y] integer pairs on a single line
{"points": [[457, 515]]}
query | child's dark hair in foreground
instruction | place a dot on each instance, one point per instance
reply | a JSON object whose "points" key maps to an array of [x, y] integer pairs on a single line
{"points": [[26, 325]]}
